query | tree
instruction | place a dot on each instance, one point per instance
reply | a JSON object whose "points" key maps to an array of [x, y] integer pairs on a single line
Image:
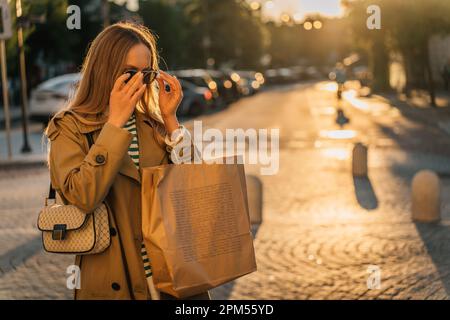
{"points": [[374, 42], [411, 32], [167, 21], [407, 27], [226, 31]]}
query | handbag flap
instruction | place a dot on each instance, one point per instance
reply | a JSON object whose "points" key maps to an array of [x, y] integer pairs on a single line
{"points": [[55, 214]]}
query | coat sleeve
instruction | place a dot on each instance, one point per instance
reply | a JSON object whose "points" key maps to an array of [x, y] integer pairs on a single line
{"points": [[85, 179], [181, 139]]}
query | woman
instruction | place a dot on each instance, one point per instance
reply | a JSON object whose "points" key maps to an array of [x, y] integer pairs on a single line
{"points": [[134, 125]]}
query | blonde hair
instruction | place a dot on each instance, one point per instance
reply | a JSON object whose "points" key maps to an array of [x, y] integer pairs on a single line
{"points": [[104, 64]]}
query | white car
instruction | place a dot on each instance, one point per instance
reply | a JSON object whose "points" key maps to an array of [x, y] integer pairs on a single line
{"points": [[51, 96]]}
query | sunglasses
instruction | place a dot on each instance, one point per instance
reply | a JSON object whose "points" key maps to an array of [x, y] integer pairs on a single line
{"points": [[149, 75]]}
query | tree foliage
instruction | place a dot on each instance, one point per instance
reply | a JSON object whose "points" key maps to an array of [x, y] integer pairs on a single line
{"points": [[227, 31], [407, 27]]}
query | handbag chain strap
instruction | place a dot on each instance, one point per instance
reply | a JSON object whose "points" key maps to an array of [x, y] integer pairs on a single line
{"points": [[52, 192]]}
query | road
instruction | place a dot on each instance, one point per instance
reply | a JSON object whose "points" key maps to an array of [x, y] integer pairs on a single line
{"points": [[322, 228]]}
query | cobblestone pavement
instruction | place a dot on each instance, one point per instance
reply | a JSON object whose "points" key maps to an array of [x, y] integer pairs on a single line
{"points": [[322, 228]]}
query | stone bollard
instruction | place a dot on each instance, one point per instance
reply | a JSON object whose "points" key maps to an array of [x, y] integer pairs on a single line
{"points": [[426, 197], [254, 194], [359, 160]]}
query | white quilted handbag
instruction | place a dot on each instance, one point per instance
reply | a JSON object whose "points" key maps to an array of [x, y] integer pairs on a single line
{"points": [[67, 229]]}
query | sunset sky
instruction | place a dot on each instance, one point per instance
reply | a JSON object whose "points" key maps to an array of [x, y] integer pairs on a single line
{"points": [[300, 8], [274, 8]]}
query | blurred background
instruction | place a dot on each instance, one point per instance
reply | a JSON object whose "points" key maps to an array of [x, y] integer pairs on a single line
{"points": [[284, 41], [280, 41], [328, 73]]}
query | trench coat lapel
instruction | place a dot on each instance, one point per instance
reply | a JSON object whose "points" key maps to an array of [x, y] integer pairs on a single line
{"points": [[129, 169], [151, 152]]}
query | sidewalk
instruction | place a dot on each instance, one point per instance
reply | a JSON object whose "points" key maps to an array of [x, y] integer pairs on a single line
{"points": [[417, 108], [15, 114], [36, 157], [322, 228]]}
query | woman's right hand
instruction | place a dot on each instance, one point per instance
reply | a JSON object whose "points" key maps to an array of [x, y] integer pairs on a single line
{"points": [[124, 97]]}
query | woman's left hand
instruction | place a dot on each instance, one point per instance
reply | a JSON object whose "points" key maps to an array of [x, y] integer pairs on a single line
{"points": [[169, 100]]}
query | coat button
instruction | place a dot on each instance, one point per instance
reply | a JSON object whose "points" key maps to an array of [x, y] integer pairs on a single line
{"points": [[100, 159], [112, 231], [115, 286]]}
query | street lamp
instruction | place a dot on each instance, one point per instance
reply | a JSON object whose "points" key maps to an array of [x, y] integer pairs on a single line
{"points": [[206, 32], [105, 9], [23, 77], [5, 33]]}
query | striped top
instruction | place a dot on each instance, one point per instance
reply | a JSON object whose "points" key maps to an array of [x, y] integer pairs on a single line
{"points": [[133, 151]]}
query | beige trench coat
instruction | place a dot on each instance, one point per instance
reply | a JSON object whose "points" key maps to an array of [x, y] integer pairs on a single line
{"points": [[106, 172]]}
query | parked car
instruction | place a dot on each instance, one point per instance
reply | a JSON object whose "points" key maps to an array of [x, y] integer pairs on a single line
{"points": [[271, 76], [244, 85], [50, 96], [227, 87], [196, 99], [313, 73], [199, 95], [299, 73], [250, 81], [280, 76], [201, 78]]}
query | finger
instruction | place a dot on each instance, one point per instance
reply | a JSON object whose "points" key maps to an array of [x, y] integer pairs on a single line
{"points": [[170, 79], [138, 94], [120, 81], [178, 84], [135, 85], [162, 86], [130, 83], [160, 83], [174, 93], [174, 84]]}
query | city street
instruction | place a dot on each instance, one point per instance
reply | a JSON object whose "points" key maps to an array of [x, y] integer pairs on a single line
{"points": [[322, 228]]}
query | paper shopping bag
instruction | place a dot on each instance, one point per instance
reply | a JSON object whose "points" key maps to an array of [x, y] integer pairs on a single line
{"points": [[196, 226]]}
